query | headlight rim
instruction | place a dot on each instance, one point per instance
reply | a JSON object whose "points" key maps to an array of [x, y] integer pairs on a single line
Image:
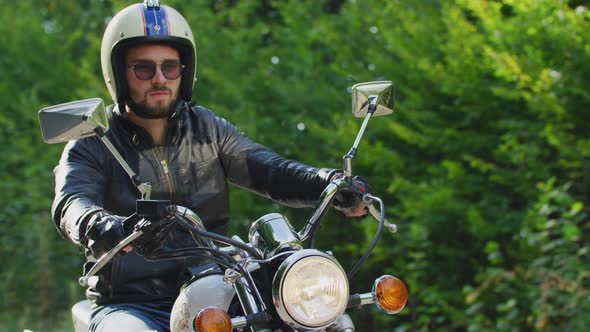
{"points": [[279, 279]]}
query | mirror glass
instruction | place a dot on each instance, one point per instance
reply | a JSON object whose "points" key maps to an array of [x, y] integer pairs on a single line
{"points": [[362, 92], [73, 120]]}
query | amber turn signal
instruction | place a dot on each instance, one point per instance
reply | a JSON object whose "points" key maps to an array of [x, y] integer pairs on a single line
{"points": [[212, 320], [390, 294]]}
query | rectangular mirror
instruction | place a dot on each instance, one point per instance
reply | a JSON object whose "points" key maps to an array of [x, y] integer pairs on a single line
{"points": [[73, 120], [362, 93]]}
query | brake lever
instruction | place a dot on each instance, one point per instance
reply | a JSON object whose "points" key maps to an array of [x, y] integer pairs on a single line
{"points": [[369, 199], [104, 259]]}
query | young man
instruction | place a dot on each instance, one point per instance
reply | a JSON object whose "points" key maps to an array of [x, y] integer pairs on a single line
{"points": [[186, 152]]}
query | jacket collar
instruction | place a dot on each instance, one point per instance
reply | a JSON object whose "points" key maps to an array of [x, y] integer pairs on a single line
{"points": [[139, 136]]}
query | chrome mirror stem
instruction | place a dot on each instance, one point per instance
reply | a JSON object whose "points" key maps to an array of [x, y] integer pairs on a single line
{"points": [[373, 100], [144, 188]]}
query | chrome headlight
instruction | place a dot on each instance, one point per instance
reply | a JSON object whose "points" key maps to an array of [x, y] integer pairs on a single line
{"points": [[310, 290]]}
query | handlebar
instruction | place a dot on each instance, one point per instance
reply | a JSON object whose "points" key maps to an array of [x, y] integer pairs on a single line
{"points": [[321, 208], [192, 222]]}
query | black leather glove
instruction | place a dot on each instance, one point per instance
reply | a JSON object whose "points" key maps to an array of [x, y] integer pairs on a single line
{"points": [[349, 197], [104, 232]]}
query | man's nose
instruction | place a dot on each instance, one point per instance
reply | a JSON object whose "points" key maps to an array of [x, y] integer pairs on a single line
{"points": [[159, 75]]}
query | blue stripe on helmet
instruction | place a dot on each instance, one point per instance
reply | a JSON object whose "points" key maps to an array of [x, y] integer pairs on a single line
{"points": [[156, 22]]}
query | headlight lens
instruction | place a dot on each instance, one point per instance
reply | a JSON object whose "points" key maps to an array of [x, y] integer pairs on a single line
{"points": [[311, 290]]}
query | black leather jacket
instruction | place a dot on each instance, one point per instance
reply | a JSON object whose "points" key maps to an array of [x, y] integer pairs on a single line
{"points": [[202, 153]]}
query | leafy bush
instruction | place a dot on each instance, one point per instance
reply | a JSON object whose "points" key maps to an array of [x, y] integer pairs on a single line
{"points": [[548, 288]]}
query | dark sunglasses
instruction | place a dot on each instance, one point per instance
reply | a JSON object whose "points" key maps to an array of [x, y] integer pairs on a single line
{"points": [[146, 70]]}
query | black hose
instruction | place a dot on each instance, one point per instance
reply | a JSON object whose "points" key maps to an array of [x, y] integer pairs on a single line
{"points": [[217, 237], [361, 261], [222, 259]]}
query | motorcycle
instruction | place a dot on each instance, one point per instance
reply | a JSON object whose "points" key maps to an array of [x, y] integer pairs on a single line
{"points": [[277, 280]]}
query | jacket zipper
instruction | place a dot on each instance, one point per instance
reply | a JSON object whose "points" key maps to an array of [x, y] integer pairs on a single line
{"points": [[164, 164], [165, 167]]}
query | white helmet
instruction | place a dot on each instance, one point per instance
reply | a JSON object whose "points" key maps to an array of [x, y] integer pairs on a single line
{"points": [[144, 23]]}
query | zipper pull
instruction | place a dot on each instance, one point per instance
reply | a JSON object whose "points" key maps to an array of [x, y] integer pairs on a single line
{"points": [[165, 166]]}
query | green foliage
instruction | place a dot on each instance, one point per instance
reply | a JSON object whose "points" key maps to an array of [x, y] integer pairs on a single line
{"points": [[547, 289], [38, 269], [484, 167]]}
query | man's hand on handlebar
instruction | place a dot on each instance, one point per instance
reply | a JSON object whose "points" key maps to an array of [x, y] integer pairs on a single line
{"points": [[104, 232], [349, 198]]}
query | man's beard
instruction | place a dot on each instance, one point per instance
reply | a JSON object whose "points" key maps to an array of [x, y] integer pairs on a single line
{"points": [[150, 112]]}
